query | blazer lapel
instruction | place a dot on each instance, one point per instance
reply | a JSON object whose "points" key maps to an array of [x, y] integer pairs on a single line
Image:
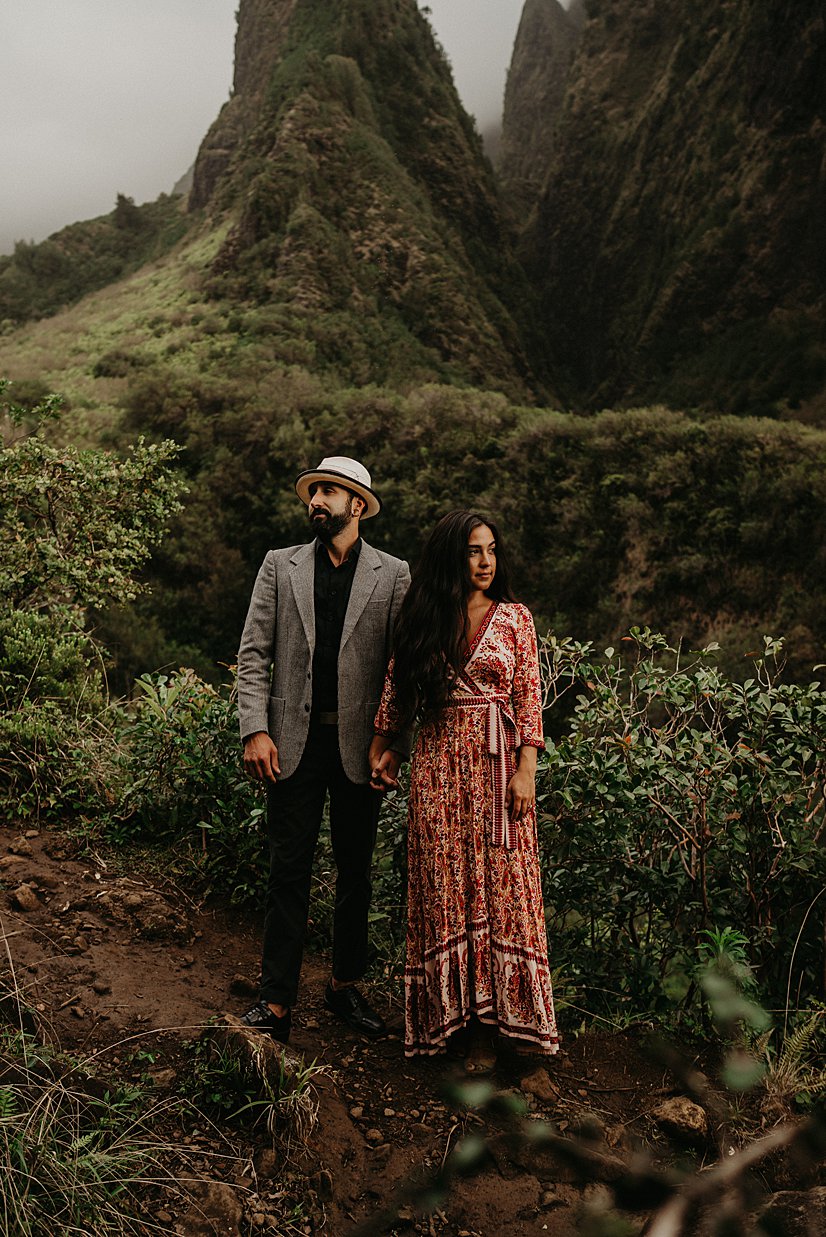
{"points": [[302, 578], [364, 582]]}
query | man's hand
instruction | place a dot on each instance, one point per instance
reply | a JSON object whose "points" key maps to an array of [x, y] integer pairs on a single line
{"points": [[261, 757], [384, 769]]}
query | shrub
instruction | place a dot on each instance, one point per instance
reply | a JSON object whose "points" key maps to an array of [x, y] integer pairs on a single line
{"points": [[679, 800], [75, 528], [184, 781]]}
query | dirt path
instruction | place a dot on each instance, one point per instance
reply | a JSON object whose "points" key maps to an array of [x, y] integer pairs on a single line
{"points": [[123, 967]]}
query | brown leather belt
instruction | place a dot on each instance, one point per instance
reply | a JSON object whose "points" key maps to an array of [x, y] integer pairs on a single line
{"points": [[326, 719]]}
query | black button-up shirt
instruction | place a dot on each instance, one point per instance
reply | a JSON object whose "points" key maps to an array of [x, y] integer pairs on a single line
{"points": [[331, 595]]}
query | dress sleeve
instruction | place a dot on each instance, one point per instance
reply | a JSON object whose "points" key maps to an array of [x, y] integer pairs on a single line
{"points": [[527, 684], [387, 722]]}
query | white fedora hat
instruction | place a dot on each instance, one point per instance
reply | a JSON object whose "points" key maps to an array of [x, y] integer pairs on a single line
{"points": [[341, 470]]}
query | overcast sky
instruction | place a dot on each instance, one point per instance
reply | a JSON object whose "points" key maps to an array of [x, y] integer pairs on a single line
{"points": [[99, 97]]}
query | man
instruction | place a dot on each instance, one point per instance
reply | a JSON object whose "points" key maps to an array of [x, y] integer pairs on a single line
{"points": [[311, 667]]}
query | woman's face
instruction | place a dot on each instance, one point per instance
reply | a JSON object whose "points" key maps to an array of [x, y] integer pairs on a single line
{"points": [[481, 549]]}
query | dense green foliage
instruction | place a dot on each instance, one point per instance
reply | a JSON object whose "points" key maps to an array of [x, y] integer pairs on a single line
{"points": [[183, 782], [711, 529], [39, 279], [75, 527], [679, 802]]}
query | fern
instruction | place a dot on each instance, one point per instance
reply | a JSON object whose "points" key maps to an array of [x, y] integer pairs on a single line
{"points": [[791, 1074], [8, 1104]]}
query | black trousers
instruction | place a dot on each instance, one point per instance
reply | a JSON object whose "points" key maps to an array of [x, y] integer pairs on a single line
{"points": [[294, 810]]}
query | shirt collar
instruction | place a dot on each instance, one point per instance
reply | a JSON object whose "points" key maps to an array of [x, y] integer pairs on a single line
{"points": [[352, 557]]}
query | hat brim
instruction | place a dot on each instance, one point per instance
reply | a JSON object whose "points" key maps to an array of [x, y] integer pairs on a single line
{"points": [[305, 479]]}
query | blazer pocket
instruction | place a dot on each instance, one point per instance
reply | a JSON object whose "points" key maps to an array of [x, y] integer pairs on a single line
{"points": [[275, 717]]}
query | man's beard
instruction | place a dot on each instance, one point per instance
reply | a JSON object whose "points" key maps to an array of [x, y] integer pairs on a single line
{"points": [[326, 527]]}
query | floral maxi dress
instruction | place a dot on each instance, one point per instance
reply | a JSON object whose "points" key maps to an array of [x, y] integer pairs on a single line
{"points": [[476, 941]]}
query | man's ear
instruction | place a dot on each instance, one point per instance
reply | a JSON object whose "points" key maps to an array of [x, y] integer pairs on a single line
{"points": [[362, 506]]}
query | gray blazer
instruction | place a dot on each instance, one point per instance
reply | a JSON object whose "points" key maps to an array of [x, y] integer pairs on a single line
{"points": [[275, 659]]}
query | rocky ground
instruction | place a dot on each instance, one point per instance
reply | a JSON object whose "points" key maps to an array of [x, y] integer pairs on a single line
{"points": [[127, 972]]}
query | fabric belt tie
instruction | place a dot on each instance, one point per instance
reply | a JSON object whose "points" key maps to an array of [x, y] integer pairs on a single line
{"points": [[501, 738]]}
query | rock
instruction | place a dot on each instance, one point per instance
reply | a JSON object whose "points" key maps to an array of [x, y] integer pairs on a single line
{"points": [[101, 987], [588, 1127], [243, 986], [389, 1112], [680, 1118], [25, 898], [322, 1183], [20, 847], [215, 1212], [374, 1137], [9, 861], [616, 1136], [164, 1079], [796, 1213], [539, 1084], [266, 1163], [32, 833], [187, 960], [259, 1055], [357, 1112], [133, 901], [81, 943]]}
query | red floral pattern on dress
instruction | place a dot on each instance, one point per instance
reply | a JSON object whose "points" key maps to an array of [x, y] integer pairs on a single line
{"points": [[476, 941]]}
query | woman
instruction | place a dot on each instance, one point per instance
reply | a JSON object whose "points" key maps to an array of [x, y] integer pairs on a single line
{"points": [[465, 664]]}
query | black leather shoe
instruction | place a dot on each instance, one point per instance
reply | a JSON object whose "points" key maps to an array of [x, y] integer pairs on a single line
{"points": [[261, 1018], [349, 1005]]}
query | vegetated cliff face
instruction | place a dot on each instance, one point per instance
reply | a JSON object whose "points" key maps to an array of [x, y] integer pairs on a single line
{"points": [[546, 42], [363, 201], [260, 38], [679, 238]]}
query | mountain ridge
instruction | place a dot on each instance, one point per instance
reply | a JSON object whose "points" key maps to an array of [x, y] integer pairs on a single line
{"points": [[677, 242]]}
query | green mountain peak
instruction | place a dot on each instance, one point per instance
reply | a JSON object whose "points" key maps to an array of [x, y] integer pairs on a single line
{"points": [[358, 187]]}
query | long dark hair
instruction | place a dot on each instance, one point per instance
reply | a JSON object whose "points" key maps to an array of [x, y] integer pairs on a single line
{"points": [[430, 637]]}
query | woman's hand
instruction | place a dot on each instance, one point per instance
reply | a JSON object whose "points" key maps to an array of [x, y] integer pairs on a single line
{"points": [[521, 793]]}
